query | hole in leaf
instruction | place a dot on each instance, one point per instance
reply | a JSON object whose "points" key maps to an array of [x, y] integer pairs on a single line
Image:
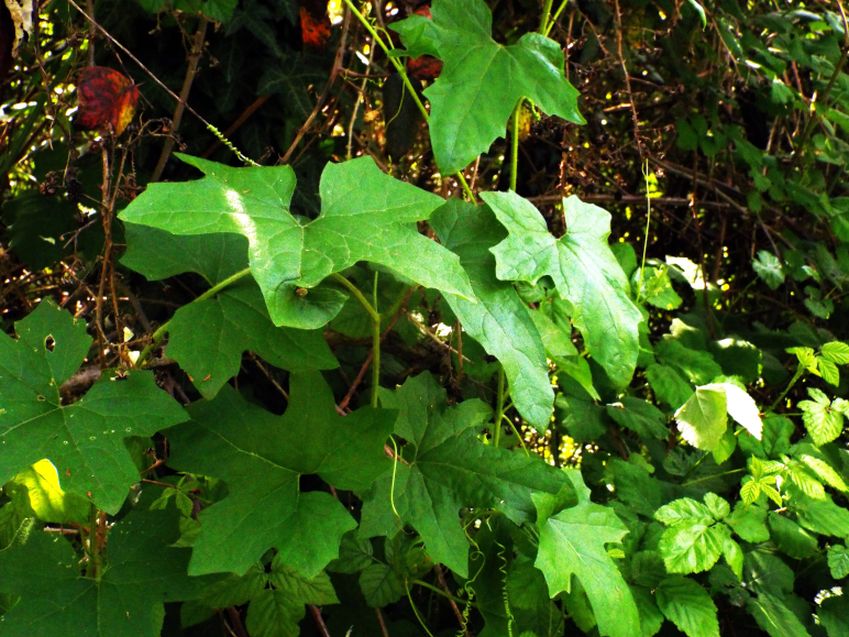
{"points": [[49, 343]]}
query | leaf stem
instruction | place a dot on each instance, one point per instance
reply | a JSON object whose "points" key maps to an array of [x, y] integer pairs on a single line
{"points": [[648, 227], [800, 370], [554, 19], [514, 146], [499, 408], [438, 591], [546, 13], [402, 72], [160, 332]]}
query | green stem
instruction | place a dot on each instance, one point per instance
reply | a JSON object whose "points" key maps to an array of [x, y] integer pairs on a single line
{"points": [[499, 409], [438, 591], [162, 330], [546, 12], [514, 146], [800, 370], [648, 227], [402, 72], [712, 476], [554, 19], [374, 315]]}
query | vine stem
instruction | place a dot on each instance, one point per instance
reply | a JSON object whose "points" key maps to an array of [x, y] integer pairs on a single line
{"points": [[162, 330], [499, 409], [374, 315], [402, 72], [800, 370], [648, 227]]}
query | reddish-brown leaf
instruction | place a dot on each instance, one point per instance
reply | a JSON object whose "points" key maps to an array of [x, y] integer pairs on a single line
{"points": [[315, 27], [107, 100], [424, 67]]}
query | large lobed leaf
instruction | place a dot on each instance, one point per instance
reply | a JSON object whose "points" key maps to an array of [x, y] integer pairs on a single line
{"points": [[207, 338], [583, 269], [445, 467], [366, 216], [260, 457], [573, 542], [499, 320], [83, 440], [142, 570], [482, 81]]}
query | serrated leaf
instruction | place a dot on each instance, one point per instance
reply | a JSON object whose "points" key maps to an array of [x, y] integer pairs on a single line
{"points": [[749, 522], [775, 617], [692, 548], [583, 269], [641, 417], [817, 462], [769, 269], [274, 613], [83, 440], [572, 542], [366, 216], [688, 606], [445, 467], [697, 365], [482, 81], [718, 507], [836, 351], [823, 422], [703, 418], [381, 585], [668, 385], [260, 457], [684, 511], [656, 287], [141, 572], [838, 561], [307, 590], [820, 516], [834, 616], [499, 320], [828, 371]]}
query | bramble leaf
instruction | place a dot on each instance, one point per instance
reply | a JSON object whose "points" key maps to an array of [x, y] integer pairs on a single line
{"points": [[583, 269], [822, 419], [500, 320], [482, 81], [261, 456], [572, 542], [702, 420], [688, 606], [366, 216], [83, 440]]}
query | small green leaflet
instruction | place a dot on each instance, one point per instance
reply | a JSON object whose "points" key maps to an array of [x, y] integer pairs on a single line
{"points": [[583, 269], [366, 216], [482, 81], [823, 418], [572, 542], [500, 320], [688, 606], [83, 440], [142, 571], [207, 338], [445, 467], [703, 419], [768, 267], [261, 457]]}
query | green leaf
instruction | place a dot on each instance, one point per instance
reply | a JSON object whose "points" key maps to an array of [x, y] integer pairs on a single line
{"points": [[697, 365], [692, 547], [274, 613], [583, 269], [83, 440], [773, 615], [688, 606], [768, 267], [366, 216], [572, 542], [684, 511], [307, 590], [381, 585], [207, 338], [668, 385], [445, 467], [656, 287], [838, 561], [820, 516], [641, 417], [45, 495], [834, 616], [499, 320], [836, 351], [142, 570], [703, 418], [749, 522], [482, 81], [261, 456], [823, 422]]}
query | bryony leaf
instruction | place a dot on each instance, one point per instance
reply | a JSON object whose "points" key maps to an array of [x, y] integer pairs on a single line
{"points": [[83, 440], [366, 216], [482, 81], [500, 320], [583, 269], [702, 420], [572, 542], [261, 457], [688, 606], [141, 571], [444, 467]]}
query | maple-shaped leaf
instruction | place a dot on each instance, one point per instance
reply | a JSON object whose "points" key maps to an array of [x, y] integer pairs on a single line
{"points": [[260, 457], [583, 268], [573, 542], [83, 440], [500, 320], [141, 570], [107, 100], [444, 467], [482, 81], [366, 216], [207, 338]]}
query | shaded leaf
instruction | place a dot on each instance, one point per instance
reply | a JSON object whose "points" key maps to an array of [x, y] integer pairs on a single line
{"points": [[688, 606]]}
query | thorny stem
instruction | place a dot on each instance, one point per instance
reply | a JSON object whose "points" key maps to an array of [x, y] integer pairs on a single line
{"points": [[402, 72], [162, 330]]}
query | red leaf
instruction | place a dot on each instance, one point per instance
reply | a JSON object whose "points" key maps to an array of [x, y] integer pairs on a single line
{"points": [[315, 28], [107, 100]]}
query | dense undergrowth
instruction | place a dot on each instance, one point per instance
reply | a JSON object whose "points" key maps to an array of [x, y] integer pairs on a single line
{"points": [[480, 318]]}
